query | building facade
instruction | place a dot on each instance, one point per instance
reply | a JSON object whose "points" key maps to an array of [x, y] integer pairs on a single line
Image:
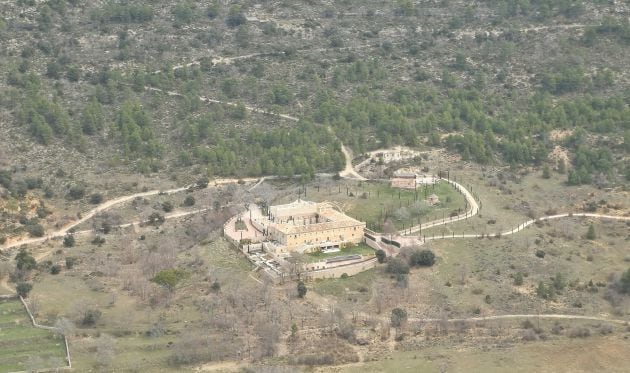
{"points": [[308, 226]]}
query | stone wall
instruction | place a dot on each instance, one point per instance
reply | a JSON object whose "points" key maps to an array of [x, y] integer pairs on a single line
{"points": [[336, 272], [346, 234]]}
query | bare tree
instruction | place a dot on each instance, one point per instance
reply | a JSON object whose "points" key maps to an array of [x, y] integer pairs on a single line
{"points": [[34, 304], [384, 330], [295, 264], [130, 254], [381, 296], [250, 298], [462, 273], [331, 318], [269, 335], [442, 324], [105, 350], [105, 222], [389, 227], [110, 267], [265, 192], [352, 307], [65, 327]]}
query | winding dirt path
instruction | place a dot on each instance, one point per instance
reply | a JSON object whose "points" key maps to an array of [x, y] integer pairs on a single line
{"points": [[472, 211], [250, 108], [522, 316], [349, 171], [111, 203], [228, 103], [526, 224]]}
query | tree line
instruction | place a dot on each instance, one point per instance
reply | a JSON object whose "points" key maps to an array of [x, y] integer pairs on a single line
{"points": [[483, 129]]}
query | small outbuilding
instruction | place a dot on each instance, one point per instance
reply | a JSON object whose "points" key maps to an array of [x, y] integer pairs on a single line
{"points": [[433, 199]]}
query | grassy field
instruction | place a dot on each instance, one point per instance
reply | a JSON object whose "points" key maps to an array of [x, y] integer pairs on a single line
{"points": [[373, 202], [609, 354], [512, 198], [23, 346], [337, 287], [477, 275], [220, 254], [133, 353], [361, 249]]}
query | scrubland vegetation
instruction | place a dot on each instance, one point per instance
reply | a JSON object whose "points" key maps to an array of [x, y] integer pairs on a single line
{"points": [[524, 102]]}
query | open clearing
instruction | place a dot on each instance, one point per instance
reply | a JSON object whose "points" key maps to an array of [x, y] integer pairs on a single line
{"points": [[598, 354], [374, 201]]}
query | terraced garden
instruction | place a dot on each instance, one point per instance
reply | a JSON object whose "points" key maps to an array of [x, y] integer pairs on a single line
{"points": [[23, 347]]}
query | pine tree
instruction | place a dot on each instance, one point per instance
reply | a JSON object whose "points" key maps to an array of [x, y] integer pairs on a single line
{"points": [[546, 173], [301, 289], [590, 235]]}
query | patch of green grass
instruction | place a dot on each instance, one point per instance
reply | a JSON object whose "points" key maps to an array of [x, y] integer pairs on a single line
{"points": [[133, 353], [24, 347], [336, 287], [219, 253], [402, 362], [383, 201], [373, 202], [469, 270], [361, 249]]}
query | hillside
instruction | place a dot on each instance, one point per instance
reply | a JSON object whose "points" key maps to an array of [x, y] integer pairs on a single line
{"points": [[141, 127]]}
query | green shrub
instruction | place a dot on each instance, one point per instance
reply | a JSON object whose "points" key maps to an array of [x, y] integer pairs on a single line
{"points": [[423, 258], [75, 192], [23, 288], [169, 278], [25, 261], [397, 266], [35, 230], [301, 289], [167, 206], [96, 198], [70, 262], [398, 317], [68, 240], [381, 255], [90, 317], [189, 201]]}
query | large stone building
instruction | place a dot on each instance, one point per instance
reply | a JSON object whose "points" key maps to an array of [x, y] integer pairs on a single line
{"points": [[308, 226], [270, 237]]}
